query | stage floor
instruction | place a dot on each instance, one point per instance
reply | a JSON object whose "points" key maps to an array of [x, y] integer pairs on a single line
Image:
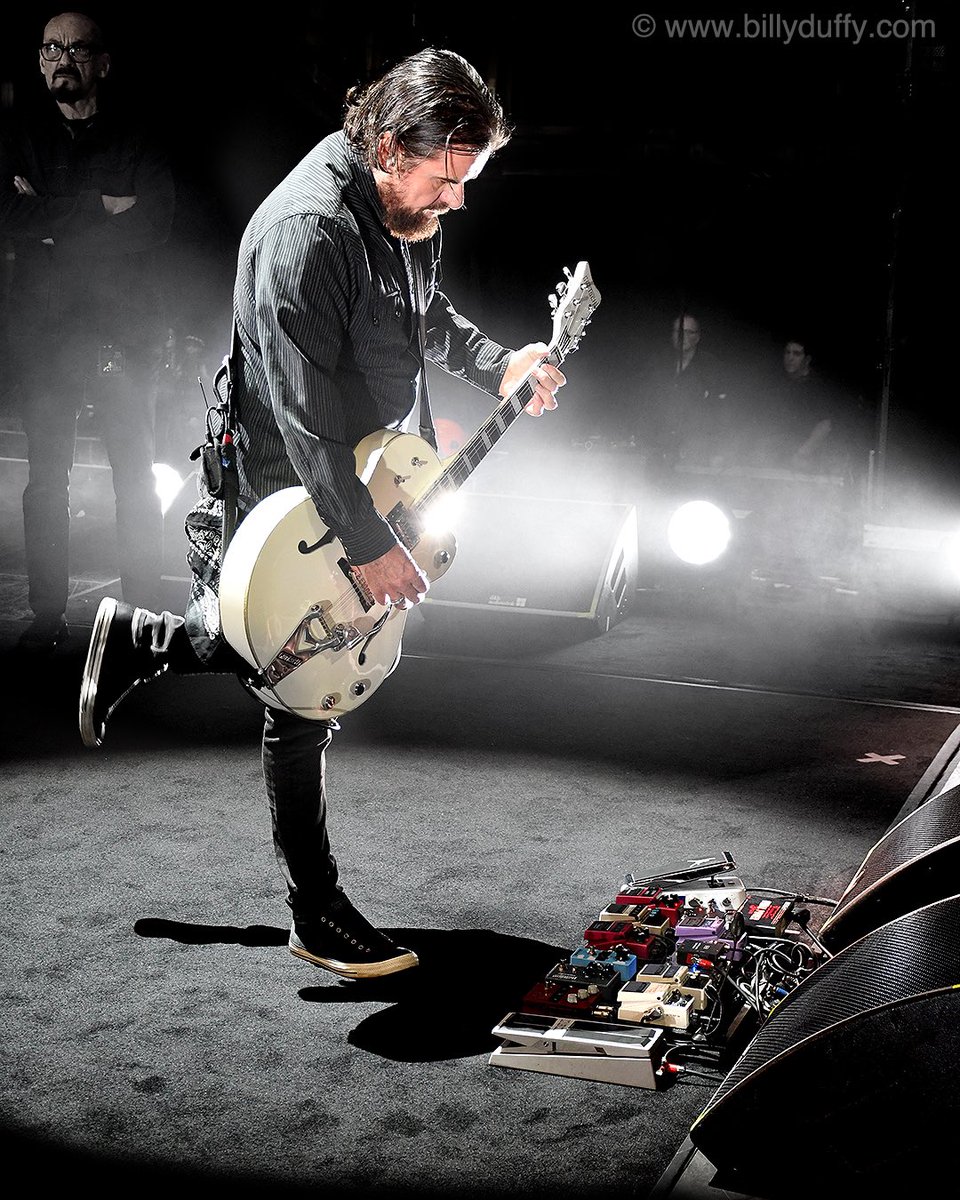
{"points": [[484, 809], [485, 804]]}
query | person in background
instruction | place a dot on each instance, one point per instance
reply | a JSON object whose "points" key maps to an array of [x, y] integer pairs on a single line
{"points": [[85, 202], [803, 413], [686, 418]]}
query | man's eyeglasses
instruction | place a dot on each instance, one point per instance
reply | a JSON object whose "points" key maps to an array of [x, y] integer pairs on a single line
{"points": [[80, 52]]}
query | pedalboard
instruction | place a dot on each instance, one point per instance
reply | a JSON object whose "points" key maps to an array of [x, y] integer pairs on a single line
{"points": [[656, 969]]}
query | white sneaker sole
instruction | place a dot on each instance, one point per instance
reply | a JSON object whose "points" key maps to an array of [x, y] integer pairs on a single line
{"points": [[389, 966], [91, 671]]}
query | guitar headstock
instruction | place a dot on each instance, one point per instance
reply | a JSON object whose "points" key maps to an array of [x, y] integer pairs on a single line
{"points": [[573, 304]]}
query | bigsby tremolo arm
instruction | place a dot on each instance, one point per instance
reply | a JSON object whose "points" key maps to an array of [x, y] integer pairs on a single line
{"points": [[313, 635]]}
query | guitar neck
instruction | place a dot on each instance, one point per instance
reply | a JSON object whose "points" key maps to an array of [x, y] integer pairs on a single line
{"points": [[462, 466]]}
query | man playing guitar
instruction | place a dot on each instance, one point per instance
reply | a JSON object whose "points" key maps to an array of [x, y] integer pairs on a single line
{"points": [[327, 350]]}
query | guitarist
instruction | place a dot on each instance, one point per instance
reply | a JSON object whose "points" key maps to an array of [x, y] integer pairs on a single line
{"points": [[328, 350]]}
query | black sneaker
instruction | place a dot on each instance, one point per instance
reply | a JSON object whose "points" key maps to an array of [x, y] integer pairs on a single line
{"points": [[344, 942], [115, 665]]}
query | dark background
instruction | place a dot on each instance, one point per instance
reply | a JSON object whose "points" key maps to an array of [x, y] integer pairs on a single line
{"points": [[753, 181], [756, 181]]}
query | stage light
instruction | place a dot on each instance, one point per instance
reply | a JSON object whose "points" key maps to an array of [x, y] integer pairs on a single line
{"points": [[950, 551], [441, 514], [698, 532], [168, 484]]}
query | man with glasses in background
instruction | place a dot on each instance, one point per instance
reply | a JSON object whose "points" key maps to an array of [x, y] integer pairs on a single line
{"points": [[84, 202]]}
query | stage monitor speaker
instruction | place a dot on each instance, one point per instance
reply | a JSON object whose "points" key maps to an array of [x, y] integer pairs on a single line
{"points": [[529, 557], [915, 862], [853, 1078]]}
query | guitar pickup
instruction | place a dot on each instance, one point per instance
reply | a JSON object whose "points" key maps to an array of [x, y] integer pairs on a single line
{"points": [[406, 524]]}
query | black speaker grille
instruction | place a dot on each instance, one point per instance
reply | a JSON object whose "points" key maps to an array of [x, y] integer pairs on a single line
{"points": [[901, 854], [910, 956], [935, 822]]}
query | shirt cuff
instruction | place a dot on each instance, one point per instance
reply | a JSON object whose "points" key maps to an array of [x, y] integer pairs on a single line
{"points": [[368, 541], [496, 370]]}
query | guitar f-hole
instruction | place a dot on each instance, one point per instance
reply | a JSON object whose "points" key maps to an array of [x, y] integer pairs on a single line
{"points": [[324, 541]]}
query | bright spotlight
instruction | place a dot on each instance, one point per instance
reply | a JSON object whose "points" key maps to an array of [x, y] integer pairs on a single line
{"points": [[442, 513], [951, 555], [698, 532], [168, 484]]}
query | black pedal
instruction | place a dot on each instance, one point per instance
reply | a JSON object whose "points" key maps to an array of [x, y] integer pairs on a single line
{"points": [[647, 947], [763, 915], [692, 951], [593, 978]]}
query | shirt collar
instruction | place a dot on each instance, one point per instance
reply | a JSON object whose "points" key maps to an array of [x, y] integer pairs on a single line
{"points": [[362, 178]]}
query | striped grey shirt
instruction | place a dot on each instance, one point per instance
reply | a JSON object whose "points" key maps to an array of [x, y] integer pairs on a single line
{"points": [[328, 339]]}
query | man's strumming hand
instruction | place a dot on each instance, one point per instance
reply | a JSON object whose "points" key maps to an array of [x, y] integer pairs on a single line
{"points": [[394, 578]]}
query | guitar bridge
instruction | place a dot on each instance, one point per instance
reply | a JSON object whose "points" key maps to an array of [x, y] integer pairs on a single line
{"points": [[360, 589]]}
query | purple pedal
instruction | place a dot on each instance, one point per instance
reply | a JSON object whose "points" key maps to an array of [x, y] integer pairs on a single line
{"points": [[700, 927]]}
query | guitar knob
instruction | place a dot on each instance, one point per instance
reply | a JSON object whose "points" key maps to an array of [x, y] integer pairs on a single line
{"points": [[358, 688], [329, 701], [441, 558]]}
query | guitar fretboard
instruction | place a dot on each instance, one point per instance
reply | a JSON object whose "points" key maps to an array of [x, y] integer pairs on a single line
{"points": [[462, 466]]}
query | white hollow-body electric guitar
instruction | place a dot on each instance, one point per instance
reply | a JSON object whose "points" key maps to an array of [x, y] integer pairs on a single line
{"points": [[290, 604]]}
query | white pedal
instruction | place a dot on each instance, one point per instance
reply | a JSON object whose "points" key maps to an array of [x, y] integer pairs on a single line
{"points": [[579, 1049], [726, 891], [637, 999], [671, 972], [676, 1012], [621, 912]]}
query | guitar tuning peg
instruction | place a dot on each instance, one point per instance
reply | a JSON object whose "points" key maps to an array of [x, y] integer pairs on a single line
{"points": [[568, 272], [553, 302]]}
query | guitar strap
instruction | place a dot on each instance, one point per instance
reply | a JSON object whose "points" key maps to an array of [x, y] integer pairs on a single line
{"points": [[427, 430], [228, 449]]}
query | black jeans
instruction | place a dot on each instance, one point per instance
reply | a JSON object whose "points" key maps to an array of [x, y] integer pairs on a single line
{"points": [[293, 755], [55, 386], [293, 770]]}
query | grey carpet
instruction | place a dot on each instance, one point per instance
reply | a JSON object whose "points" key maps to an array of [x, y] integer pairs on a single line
{"points": [[154, 1020]]}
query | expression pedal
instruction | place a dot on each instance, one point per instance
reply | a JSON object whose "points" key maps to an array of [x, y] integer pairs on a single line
{"points": [[725, 891], [580, 1049]]}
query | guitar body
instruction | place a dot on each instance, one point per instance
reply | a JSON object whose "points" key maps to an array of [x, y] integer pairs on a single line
{"points": [[317, 644], [286, 589]]}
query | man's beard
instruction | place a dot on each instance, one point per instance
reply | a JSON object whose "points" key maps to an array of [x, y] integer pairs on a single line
{"points": [[412, 225], [67, 87]]}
